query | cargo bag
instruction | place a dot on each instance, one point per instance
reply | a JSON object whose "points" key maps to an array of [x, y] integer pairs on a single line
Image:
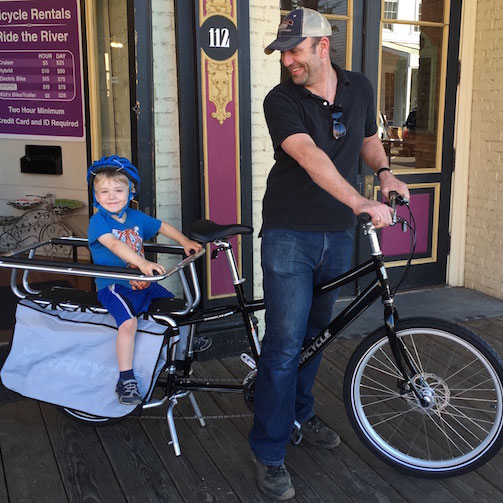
{"points": [[68, 358]]}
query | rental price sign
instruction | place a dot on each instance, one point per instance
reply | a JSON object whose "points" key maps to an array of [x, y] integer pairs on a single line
{"points": [[40, 69]]}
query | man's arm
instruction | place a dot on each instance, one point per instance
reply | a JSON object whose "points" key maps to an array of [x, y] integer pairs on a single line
{"points": [[321, 169], [373, 154]]}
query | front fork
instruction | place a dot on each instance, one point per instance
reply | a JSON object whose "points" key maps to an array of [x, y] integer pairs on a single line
{"points": [[403, 361]]}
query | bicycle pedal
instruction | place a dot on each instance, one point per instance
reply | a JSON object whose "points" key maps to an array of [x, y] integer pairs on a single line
{"points": [[248, 360], [296, 436]]}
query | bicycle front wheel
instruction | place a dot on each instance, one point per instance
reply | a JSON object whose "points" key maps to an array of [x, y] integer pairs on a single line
{"points": [[459, 430]]}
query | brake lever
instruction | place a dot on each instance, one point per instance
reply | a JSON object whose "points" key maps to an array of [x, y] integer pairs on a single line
{"points": [[394, 199], [399, 199]]}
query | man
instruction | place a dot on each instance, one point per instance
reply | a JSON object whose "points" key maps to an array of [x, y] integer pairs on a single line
{"points": [[320, 121]]}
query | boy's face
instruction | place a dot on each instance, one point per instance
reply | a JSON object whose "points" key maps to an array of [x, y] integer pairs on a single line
{"points": [[112, 194]]}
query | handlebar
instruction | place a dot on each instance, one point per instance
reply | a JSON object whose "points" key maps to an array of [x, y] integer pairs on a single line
{"points": [[394, 199]]}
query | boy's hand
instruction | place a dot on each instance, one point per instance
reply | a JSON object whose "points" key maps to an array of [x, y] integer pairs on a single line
{"points": [[136, 284], [190, 247], [148, 268]]}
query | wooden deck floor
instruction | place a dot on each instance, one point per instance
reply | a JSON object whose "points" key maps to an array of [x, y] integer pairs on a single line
{"points": [[46, 457]]}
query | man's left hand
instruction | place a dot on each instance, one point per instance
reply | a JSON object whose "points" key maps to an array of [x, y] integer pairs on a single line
{"points": [[390, 183]]}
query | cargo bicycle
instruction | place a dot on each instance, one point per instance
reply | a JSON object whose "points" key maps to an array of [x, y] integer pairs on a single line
{"points": [[423, 394]]}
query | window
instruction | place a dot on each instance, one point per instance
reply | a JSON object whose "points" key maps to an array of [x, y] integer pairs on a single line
{"points": [[390, 12], [417, 28]]}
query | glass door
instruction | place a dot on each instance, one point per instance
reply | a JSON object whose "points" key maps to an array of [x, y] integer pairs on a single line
{"points": [[409, 51], [416, 89], [108, 77]]}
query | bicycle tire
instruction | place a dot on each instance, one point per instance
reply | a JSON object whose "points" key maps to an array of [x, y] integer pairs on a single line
{"points": [[89, 419], [460, 430]]}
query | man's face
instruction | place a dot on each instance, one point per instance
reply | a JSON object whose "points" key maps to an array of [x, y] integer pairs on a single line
{"points": [[303, 62]]}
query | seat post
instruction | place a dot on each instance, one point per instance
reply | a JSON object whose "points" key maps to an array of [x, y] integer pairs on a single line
{"points": [[227, 248]]}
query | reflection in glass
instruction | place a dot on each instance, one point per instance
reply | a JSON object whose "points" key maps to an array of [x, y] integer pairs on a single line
{"points": [[409, 98], [109, 77], [337, 7], [414, 10], [390, 12], [338, 43]]}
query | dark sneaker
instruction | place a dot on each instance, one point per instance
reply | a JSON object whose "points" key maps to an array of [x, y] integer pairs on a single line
{"points": [[201, 343], [127, 391], [274, 481], [318, 434]]}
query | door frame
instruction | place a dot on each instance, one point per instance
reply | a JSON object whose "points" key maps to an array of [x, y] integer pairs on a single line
{"points": [[459, 197], [190, 120], [141, 86]]}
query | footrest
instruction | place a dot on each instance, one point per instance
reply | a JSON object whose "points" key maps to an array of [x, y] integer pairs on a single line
{"points": [[64, 295]]}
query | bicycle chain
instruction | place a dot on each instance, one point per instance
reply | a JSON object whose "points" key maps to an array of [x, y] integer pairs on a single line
{"points": [[209, 380], [225, 416]]}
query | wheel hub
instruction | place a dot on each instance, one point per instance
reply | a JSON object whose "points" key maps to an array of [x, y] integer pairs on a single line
{"points": [[434, 391]]}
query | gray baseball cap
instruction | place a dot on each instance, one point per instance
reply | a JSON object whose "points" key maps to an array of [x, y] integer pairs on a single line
{"points": [[296, 27]]}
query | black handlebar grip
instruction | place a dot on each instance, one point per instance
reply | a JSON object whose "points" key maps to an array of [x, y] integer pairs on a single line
{"points": [[364, 218]]}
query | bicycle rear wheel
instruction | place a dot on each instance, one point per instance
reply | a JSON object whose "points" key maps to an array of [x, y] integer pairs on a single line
{"points": [[89, 419], [459, 430]]}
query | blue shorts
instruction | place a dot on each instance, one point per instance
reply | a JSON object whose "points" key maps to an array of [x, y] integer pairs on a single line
{"points": [[124, 303]]}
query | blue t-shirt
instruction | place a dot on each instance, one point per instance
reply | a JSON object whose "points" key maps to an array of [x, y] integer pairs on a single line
{"points": [[136, 229]]}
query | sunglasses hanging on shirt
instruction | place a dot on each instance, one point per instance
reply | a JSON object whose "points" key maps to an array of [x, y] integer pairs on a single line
{"points": [[338, 128]]}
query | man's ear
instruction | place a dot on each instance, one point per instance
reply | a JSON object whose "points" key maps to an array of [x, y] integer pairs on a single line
{"points": [[324, 46]]}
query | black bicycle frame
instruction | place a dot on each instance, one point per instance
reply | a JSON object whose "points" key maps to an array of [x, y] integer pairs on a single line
{"points": [[377, 288]]}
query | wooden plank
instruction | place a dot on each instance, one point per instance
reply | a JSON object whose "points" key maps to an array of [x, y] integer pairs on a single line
{"points": [[227, 448], [84, 467], [3, 482], [467, 488], [29, 464], [194, 472], [490, 329], [412, 489], [138, 469], [338, 474]]}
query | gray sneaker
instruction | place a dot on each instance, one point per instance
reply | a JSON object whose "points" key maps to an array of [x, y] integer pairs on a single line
{"points": [[127, 391], [318, 434], [274, 481]]}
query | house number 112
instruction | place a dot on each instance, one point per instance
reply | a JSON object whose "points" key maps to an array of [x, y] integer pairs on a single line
{"points": [[219, 37]]}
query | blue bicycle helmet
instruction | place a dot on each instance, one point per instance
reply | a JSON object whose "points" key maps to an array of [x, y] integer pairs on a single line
{"points": [[121, 165]]}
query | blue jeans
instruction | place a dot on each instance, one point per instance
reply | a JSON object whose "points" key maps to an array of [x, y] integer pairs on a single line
{"points": [[293, 263]]}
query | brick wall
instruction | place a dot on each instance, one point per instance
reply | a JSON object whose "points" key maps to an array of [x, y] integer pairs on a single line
{"points": [[265, 74], [484, 233], [167, 153]]}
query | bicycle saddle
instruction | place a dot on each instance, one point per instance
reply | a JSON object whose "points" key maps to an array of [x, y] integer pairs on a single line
{"points": [[205, 231]]}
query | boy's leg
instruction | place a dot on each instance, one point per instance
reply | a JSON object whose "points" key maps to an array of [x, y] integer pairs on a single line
{"points": [[125, 343], [116, 300], [127, 386]]}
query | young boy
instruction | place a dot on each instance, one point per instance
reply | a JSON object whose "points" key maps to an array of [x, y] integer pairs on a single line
{"points": [[116, 234]]}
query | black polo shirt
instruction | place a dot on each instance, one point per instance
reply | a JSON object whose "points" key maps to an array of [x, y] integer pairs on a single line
{"points": [[292, 200]]}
